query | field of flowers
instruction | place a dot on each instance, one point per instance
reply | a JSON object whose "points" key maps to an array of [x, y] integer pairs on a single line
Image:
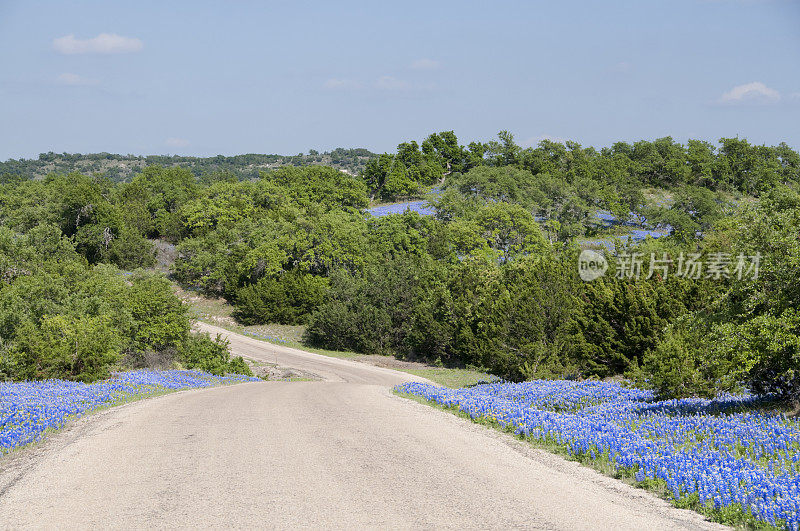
{"points": [[723, 454], [633, 227], [420, 207], [27, 409]]}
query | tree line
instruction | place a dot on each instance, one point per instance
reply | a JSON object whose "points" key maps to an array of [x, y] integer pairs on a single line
{"points": [[124, 167], [490, 280]]}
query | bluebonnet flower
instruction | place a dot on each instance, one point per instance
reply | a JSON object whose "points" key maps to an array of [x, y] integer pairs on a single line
{"points": [[723, 451], [27, 409]]}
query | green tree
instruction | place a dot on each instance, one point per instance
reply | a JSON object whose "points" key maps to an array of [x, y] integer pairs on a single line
{"points": [[76, 348], [160, 318], [288, 298], [211, 355]]}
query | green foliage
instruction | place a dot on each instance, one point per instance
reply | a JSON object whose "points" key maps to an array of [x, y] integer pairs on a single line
{"points": [[747, 168], [62, 318], [211, 355], [84, 210], [621, 320], [320, 185], [444, 149], [510, 230], [373, 311], [409, 171], [159, 318], [62, 346], [769, 346], [686, 362], [221, 204], [504, 317], [504, 183], [122, 168], [335, 326], [154, 199], [76, 322], [489, 281], [749, 333], [286, 299], [693, 211]]}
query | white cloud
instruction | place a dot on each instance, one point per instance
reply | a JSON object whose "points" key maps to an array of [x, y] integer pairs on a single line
{"points": [[176, 142], [794, 96], [105, 43], [74, 80], [341, 84], [755, 92], [391, 83], [425, 64]]}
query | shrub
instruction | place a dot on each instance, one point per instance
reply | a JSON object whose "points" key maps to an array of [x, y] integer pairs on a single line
{"points": [[74, 348], [286, 299], [332, 326], [160, 319], [211, 355], [773, 343]]}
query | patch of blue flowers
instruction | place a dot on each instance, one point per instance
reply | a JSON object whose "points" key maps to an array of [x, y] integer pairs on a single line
{"points": [[264, 336], [420, 207], [721, 452], [637, 232], [27, 409]]}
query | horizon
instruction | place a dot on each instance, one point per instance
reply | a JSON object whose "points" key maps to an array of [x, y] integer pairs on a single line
{"points": [[202, 79], [306, 153]]}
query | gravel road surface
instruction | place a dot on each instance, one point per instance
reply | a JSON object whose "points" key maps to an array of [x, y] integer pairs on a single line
{"points": [[338, 453]]}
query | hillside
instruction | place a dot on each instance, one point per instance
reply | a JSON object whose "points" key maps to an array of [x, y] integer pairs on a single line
{"points": [[121, 167]]}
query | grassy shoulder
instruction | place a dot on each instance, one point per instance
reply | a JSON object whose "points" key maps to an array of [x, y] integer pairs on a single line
{"points": [[733, 515], [445, 376], [452, 377], [218, 312]]}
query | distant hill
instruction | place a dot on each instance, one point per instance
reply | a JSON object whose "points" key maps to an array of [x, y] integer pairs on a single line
{"points": [[123, 167]]}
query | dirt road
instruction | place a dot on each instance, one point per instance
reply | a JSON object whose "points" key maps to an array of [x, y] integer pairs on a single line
{"points": [[339, 453]]}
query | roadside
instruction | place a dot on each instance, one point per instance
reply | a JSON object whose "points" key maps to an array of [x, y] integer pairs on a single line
{"points": [[334, 454], [601, 465], [217, 312], [40, 408], [343, 452]]}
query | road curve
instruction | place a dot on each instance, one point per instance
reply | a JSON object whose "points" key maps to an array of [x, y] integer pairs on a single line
{"points": [[341, 453], [328, 368]]}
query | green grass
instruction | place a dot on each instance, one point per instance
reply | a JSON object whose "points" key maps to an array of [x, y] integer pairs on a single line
{"points": [[293, 344], [452, 378], [202, 306], [444, 376], [733, 515], [324, 352], [218, 312]]}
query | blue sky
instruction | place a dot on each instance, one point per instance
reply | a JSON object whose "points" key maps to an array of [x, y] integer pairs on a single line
{"points": [[206, 78]]}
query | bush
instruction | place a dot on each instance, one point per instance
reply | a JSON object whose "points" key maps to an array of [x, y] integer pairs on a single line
{"points": [[160, 319], [773, 344], [332, 326], [677, 367], [73, 348], [286, 299], [695, 358], [78, 323], [211, 355]]}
